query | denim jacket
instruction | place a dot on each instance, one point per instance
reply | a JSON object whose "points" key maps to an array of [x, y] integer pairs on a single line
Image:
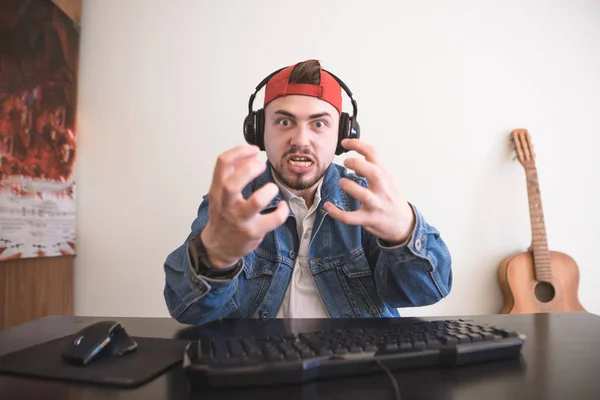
{"points": [[355, 273]]}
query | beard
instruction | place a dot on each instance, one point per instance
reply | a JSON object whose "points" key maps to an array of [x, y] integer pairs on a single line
{"points": [[297, 181]]}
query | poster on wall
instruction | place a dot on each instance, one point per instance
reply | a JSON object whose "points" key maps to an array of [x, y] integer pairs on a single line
{"points": [[39, 51]]}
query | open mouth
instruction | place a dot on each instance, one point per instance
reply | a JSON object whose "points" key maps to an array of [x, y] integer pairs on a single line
{"points": [[299, 161]]}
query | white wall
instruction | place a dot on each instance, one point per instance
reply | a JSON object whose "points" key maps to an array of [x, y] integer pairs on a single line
{"points": [[164, 87]]}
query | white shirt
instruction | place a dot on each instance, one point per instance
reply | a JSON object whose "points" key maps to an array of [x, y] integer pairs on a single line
{"points": [[302, 300]]}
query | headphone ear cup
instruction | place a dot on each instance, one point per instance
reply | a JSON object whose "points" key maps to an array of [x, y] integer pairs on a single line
{"points": [[260, 129], [343, 132], [249, 128], [354, 132]]}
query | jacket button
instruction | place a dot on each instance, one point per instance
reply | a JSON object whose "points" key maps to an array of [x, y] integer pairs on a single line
{"points": [[418, 244], [292, 254], [264, 315]]}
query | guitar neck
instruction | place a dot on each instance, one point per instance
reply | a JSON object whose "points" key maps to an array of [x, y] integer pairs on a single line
{"points": [[541, 255]]}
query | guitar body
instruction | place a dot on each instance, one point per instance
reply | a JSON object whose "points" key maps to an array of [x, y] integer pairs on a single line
{"points": [[524, 294]]}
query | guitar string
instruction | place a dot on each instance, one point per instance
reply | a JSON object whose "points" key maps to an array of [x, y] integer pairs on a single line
{"points": [[526, 148]]}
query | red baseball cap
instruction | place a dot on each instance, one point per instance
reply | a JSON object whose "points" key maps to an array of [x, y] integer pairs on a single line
{"points": [[328, 88]]}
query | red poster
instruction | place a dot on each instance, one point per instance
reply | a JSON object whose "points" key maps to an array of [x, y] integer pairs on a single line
{"points": [[39, 50]]}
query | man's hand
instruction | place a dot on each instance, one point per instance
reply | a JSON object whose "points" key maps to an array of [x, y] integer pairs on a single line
{"points": [[235, 226], [383, 211]]}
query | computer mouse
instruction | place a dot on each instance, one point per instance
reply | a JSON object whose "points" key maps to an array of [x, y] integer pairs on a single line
{"points": [[104, 338]]}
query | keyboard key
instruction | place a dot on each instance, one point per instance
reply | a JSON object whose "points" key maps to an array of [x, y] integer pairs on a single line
{"points": [[449, 340], [285, 347], [315, 343], [235, 348], [506, 333], [251, 347], [274, 356], [248, 361], [406, 345], [276, 339], [324, 352], [419, 345], [391, 347], [475, 337], [220, 349], [307, 354], [433, 344], [463, 338], [301, 347]]}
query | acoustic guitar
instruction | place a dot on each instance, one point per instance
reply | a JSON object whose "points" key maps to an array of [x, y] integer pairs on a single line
{"points": [[538, 280]]}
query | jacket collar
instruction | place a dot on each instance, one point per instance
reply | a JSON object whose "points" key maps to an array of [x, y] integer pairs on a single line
{"points": [[330, 189]]}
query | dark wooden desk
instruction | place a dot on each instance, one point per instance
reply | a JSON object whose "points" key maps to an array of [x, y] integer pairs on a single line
{"points": [[561, 360]]}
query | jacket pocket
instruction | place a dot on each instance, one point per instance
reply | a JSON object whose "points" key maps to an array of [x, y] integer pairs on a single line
{"points": [[359, 284], [258, 275]]}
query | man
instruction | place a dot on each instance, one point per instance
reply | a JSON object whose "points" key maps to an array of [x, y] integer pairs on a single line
{"points": [[300, 236]]}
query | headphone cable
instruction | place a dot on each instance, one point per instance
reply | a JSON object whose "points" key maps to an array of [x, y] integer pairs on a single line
{"points": [[392, 378]]}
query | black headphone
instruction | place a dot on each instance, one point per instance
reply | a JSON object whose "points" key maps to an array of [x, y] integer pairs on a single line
{"points": [[254, 123]]}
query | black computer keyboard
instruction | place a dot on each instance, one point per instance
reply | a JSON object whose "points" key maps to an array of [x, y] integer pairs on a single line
{"points": [[291, 358]]}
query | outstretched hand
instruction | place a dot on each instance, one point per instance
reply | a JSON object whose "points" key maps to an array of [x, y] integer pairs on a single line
{"points": [[383, 211], [235, 225]]}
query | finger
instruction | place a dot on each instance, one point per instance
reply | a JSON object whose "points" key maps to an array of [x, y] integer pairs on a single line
{"points": [[363, 148], [259, 200], [269, 222], [359, 217], [367, 169], [362, 194], [244, 173], [227, 160]]}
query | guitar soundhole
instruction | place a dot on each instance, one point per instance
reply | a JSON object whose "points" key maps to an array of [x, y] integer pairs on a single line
{"points": [[544, 292]]}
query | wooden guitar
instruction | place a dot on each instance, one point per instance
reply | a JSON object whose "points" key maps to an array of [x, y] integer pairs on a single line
{"points": [[538, 280]]}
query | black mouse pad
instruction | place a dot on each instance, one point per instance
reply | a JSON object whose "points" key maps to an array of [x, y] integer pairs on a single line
{"points": [[152, 357]]}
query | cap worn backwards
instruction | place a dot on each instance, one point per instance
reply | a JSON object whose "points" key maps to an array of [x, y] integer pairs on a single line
{"points": [[328, 88]]}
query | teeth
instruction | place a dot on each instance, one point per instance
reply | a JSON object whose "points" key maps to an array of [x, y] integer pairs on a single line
{"points": [[300, 163]]}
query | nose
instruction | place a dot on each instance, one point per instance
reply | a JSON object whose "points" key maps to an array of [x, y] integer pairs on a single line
{"points": [[300, 136]]}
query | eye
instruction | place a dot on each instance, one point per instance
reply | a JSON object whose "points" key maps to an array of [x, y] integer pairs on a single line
{"points": [[284, 122], [319, 124]]}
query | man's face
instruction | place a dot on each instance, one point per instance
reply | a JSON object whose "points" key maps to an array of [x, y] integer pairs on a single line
{"points": [[301, 134]]}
